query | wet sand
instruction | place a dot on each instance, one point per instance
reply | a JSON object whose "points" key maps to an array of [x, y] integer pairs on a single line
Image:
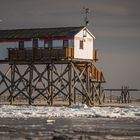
{"points": [[69, 129]]}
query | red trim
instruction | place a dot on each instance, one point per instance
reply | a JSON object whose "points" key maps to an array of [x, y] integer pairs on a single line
{"points": [[60, 38], [30, 39], [14, 40]]}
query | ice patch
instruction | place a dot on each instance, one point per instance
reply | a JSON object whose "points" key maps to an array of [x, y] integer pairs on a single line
{"points": [[78, 110], [78, 106]]}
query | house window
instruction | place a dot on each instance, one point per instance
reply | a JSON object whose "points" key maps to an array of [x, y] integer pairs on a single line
{"points": [[47, 43], [65, 43], [81, 44], [35, 43], [21, 44]]}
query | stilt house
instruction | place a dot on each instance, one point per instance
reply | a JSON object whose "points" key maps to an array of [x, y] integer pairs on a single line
{"points": [[52, 63], [47, 43]]}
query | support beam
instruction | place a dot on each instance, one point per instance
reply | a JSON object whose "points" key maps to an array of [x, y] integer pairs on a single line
{"points": [[70, 83], [51, 82], [74, 96], [30, 84], [12, 82], [87, 83]]}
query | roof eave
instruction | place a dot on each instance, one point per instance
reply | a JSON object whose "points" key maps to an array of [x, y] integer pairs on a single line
{"points": [[89, 32]]}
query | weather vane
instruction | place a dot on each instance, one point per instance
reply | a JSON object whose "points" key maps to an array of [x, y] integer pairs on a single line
{"points": [[86, 12]]}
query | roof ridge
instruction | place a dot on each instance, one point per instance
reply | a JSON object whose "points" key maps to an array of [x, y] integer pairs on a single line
{"points": [[40, 32], [39, 28]]}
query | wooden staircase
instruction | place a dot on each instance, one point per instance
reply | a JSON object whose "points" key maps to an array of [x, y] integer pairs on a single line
{"points": [[93, 73]]}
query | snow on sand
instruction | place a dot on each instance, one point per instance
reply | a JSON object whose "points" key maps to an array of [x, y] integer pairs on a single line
{"points": [[78, 110]]}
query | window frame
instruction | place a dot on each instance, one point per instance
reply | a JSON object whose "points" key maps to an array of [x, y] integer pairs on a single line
{"points": [[81, 45], [65, 43], [48, 43], [35, 43], [21, 45]]}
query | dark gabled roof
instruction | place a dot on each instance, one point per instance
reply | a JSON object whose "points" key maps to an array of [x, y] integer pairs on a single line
{"points": [[39, 33]]}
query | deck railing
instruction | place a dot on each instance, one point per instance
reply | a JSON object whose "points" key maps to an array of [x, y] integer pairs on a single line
{"points": [[16, 54], [95, 73], [95, 55]]}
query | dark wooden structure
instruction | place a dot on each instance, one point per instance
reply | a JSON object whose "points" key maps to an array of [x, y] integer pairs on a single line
{"points": [[39, 54], [67, 79], [125, 96], [50, 75]]}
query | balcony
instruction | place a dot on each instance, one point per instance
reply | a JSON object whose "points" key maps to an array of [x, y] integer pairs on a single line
{"points": [[39, 54]]}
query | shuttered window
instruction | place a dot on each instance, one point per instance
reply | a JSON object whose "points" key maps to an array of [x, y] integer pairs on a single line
{"points": [[81, 44]]}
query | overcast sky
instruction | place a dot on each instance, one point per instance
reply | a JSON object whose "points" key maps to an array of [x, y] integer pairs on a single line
{"points": [[114, 23]]}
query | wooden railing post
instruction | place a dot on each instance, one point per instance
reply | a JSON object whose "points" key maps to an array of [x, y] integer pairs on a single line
{"points": [[69, 53], [95, 56]]}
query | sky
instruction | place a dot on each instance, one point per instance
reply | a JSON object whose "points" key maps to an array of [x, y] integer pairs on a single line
{"points": [[114, 23]]}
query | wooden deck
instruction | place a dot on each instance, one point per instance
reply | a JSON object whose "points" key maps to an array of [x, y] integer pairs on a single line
{"points": [[43, 54], [39, 54]]}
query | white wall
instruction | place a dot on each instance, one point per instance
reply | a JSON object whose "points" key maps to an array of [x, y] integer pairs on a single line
{"points": [[28, 44], [87, 51], [40, 43], [57, 43]]}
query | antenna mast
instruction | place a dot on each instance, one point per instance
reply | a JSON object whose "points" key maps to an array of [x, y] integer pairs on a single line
{"points": [[86, 10]]}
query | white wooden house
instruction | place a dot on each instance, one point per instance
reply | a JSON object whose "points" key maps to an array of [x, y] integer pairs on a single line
{"points": [[16, 43]]}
